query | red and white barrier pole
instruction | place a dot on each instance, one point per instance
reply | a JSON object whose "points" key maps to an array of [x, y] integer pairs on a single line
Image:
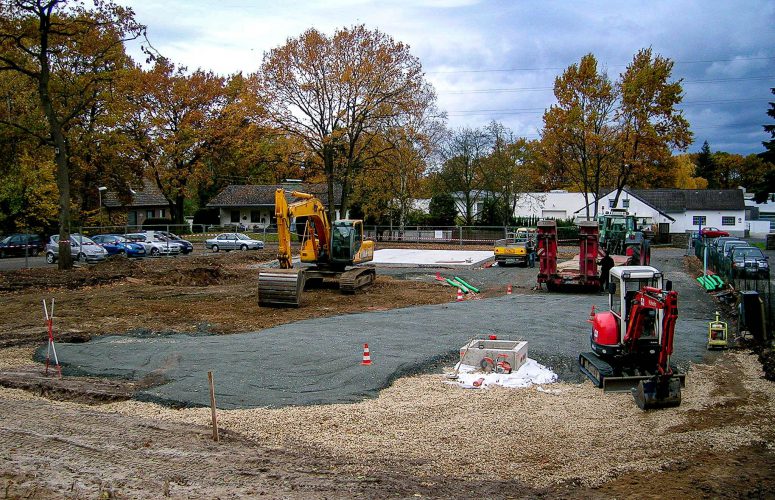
{"points": [[51, 348]]}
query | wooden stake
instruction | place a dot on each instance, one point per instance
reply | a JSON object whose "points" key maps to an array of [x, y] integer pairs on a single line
{"points": [[212, 406]]}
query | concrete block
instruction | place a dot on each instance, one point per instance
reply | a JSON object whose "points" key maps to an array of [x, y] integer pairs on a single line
{"points": [[480, 351]]}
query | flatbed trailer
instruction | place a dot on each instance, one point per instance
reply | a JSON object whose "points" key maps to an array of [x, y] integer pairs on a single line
{"points": [[556, 276]]}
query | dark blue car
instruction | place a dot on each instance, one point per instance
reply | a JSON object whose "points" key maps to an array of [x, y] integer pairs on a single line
{"points": [[117, 244]]}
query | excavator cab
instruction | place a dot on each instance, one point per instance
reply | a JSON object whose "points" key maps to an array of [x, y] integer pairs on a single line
{"points": [[346, 239]]}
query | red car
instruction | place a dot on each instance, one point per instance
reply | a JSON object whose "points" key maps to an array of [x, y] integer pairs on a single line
{"points": [[712, 232]]}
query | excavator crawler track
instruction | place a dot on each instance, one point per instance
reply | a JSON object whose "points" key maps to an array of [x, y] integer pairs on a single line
{"points": [[356, 279]]}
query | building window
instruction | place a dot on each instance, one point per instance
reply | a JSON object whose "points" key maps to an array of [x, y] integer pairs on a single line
{"points": [[149, 214], [255, 216], [161, 213], [699, 220], [727, 221], [235, 216], [611, 203]]}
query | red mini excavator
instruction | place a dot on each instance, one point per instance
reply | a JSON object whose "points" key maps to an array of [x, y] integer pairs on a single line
{"points": [[633, 341]]}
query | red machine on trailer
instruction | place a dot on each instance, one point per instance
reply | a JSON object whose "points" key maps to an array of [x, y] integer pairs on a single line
{"points": [[586, 275]]}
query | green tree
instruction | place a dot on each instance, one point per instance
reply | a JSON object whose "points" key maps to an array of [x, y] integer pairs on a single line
{"points": [[706, 168], [463, 152], [769, 154], [442, 210]]}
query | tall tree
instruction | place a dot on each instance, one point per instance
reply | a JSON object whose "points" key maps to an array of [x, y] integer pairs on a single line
{"points": [[649, 125], [579, 134], [395, 177], [767, 184], [177, 127], [706, 168], [508, 171], [69, 53], [769, 154], [338, 93], [463, 152]]}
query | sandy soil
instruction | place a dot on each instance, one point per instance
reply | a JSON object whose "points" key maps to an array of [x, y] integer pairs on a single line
{"points": [[421, 437]]}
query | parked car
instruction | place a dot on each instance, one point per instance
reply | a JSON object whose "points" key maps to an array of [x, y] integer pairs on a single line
{"points": [[19, 245], [715, 250], [159, 237], [712, 232], [749, 262], [153, 247], [724, 262], [186, 246], [116, 244], [83, 249], [233, 241]]}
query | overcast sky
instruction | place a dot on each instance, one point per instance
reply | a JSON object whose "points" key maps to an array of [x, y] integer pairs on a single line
{"points": [[497, 60]]}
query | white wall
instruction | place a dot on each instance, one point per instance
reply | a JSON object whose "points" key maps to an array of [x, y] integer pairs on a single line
{"points": [[758, 228], [265, 215], [683, 221], [551, 204]]}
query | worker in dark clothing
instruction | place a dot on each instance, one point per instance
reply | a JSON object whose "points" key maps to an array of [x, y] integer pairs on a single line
{"points": [[606, 263], [531, 253]]}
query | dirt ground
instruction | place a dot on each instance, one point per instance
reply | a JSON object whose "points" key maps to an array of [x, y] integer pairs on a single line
{"points": [[421, 438]]}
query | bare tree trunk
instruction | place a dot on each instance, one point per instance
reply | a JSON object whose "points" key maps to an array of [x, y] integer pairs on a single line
{"points": [[60, 146]]}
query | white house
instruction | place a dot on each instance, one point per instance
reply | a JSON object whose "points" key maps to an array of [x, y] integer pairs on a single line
{"points": [[556, 204], [677, 211], [253, 205]]}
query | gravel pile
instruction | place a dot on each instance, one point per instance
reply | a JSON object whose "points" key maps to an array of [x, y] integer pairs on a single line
{"points": [[541, 436]]}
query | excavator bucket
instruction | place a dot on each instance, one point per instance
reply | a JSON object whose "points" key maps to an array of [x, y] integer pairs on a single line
{"points": [[280, 287], [658, 393]]}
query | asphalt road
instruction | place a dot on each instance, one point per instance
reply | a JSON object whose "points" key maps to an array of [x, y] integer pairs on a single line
{"points": [[318, 361]]}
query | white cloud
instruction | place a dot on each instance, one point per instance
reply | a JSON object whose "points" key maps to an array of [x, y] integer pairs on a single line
{"points": [[539, 38]]}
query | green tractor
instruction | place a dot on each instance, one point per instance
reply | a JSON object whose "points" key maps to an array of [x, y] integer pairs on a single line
{"points": [[619, 235]]}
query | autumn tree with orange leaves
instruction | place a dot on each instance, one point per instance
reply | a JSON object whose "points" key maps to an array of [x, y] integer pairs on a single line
{"points": [[338, 94], [176, 127], [70, 55], [579, 135], [606, 135]]}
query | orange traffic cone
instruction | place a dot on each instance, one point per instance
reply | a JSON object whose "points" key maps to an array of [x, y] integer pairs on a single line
{"points": [[366, 356], [592, 314], [459, 295], [508, 289]]}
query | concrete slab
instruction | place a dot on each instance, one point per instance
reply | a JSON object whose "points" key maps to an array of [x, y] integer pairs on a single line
{"points": [[396, 256]]}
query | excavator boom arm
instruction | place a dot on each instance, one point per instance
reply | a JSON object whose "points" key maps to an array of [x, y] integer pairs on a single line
{"points": [[306, 206], [649, 298]]}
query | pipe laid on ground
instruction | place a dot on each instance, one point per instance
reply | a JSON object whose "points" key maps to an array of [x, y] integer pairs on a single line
{"points": [[470, 287], [457, 285]]}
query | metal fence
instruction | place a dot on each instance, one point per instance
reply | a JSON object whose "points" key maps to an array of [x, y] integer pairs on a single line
{"points": [[456, 235], [720, 265]]}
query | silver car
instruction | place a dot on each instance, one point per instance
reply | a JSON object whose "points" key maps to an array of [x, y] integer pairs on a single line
{"points": [[153, 247], [83, 249], [233, 241]]}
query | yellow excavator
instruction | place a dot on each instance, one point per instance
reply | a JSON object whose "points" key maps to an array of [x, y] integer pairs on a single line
{"points": [[332, 249]]}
